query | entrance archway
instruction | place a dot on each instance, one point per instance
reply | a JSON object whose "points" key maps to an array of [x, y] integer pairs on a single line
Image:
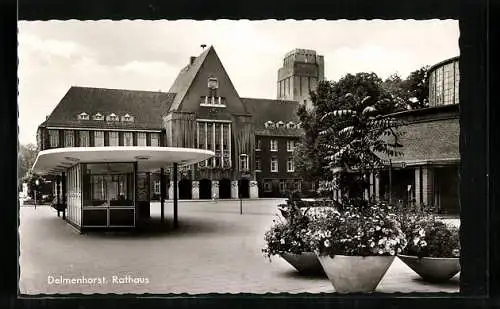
{"points": [[224, 188], [244, 188], [185, 189], [205, 189]]}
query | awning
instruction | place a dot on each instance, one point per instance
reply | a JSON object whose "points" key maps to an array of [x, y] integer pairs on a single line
{"points": [[55, 161]]}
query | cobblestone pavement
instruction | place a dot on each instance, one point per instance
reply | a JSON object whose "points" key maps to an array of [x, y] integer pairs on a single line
{"points": [[215, 250]]}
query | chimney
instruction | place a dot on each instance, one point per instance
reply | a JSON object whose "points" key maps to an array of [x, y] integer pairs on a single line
{"points": [[191, 60]]}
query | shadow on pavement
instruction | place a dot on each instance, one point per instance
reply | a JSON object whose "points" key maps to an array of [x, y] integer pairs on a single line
{"points": [[452, 283], [293, 274], [155, 228]]}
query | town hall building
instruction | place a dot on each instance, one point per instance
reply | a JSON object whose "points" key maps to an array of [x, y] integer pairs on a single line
{"points": [[253, 139]]}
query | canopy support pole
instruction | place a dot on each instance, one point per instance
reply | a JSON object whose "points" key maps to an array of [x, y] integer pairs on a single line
{"points": [[162, 195], [176, 223]]}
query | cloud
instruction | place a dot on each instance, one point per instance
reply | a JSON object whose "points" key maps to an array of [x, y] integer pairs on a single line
{"points": [[147, 55]]}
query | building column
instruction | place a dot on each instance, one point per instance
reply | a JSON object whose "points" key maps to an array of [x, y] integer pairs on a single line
{"points": [[418, 187], [254, 189], [234, 189], [427, 186], [215, 188], [195, 190], [376, 186]]}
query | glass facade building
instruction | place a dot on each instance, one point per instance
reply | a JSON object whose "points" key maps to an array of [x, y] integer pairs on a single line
{"points": [[444, 79]]}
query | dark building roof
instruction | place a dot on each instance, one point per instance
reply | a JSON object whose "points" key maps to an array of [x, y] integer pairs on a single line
{"points": [[430, 141], [263, 110], [185, 78], [146, 107]]}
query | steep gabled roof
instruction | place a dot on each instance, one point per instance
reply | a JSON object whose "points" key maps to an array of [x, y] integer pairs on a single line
{"points": [[185, 79], [263, 110], [146, 107]]}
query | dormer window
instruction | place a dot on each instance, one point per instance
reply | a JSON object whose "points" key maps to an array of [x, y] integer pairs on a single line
{"points": [[280, 124], [83, 116], [127, 117], [269, 124], [298, 125], [290, 125], [112, 117], [98, 116]]}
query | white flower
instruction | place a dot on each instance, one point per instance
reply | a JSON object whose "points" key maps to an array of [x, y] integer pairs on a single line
{"points": [[392, 252], [423, 243], [421, 233], [327, 243], [416, 240], [399, 250], [282, 241], [377, 228], [372, 244], [380, 251]]}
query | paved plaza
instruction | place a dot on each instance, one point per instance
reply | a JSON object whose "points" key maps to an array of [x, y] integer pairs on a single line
{"points": [[215, 250]]}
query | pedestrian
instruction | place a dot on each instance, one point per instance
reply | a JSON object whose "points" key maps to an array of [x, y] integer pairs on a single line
{"points": [[214, 198]]}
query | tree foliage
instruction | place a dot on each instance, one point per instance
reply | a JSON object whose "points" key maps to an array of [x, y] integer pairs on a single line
{"points": [[26, 157], [347, 128], [413, 91]]}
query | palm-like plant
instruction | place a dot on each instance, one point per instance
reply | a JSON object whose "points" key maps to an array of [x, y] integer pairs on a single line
{"points": [[358, 136]]}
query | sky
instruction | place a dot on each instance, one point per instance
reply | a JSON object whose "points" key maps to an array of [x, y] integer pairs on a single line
{"points": [[147, 55]]}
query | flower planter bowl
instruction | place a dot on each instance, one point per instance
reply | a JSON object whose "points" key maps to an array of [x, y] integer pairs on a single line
{"points": [[355, 274], [304, 263], [432, 269]]}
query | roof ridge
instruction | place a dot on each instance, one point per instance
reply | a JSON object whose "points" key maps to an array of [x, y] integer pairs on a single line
{"points": [[277, 100], [121, 89]]}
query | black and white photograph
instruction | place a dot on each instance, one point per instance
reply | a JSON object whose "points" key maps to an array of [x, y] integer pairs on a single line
{"points": [[238, 156]]}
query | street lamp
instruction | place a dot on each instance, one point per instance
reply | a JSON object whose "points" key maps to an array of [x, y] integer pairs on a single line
{"points": [[37, 182]]}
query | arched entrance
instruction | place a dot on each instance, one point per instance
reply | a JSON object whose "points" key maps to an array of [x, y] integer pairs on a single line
{"points": [[205, 189], [224, 188], [185, 188], [244, 188]]}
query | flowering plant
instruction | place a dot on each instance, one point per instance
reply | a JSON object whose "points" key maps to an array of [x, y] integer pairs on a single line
{"points": [[359, 228], [288, 231], [429, 237]]}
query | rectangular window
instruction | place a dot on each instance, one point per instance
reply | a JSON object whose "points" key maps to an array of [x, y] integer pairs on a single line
{"points": [[99, 138], [69, 138], [282, 185], [54, 138], [155, 139], [141, 139], [217, 136], [156, 187], [243, 162], [113, 138], [274, 145], [267, 186], [84, 139], [274, 164], [258, 144], [258, 166], [128, 139], [289, 165], [290, 145], [297, 185]]}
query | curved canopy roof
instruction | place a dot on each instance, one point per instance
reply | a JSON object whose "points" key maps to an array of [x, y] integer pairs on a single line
{"points": [[55, 161]]}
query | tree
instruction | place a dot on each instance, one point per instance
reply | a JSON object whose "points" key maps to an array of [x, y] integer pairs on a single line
{"points": [[25, 159], [344, 131], [416, 86]]}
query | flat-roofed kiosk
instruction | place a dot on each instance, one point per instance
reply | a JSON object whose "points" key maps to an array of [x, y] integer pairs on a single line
{"points": [[101, 187]]}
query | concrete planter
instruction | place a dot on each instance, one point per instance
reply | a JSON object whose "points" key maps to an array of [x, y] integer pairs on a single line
{"points": [[432, 269], [304, 263], [355, 274]]}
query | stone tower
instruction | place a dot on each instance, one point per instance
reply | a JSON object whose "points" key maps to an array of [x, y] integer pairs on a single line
{"points": [[302, 70]]}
